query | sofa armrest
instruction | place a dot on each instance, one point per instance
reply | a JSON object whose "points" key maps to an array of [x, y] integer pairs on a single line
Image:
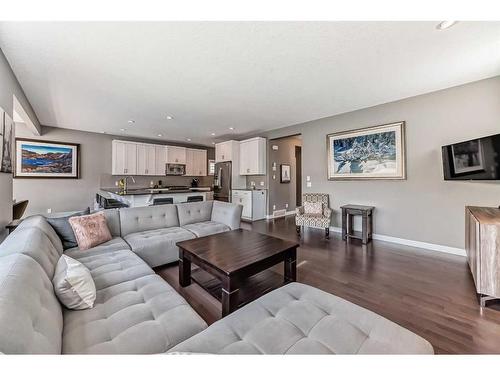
{"points": [[299, 210], [227, 213]]}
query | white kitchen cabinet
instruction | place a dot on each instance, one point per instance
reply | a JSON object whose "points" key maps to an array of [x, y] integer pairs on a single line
{"points": [[146, 159], [227, 151], [176, 155], [254, 203], [196, 162], [253, 156], [160, 159], [124, 158]]}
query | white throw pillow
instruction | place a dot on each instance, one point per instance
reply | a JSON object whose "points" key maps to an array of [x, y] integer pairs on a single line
{"points": [[73, 284], [315, 208]]}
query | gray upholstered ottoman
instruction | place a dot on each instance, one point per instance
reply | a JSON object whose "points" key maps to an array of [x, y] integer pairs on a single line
{"points": [[300, 319]]}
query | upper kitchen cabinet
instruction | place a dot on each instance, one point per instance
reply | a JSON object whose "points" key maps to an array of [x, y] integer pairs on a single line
{"points": [[196, 162], [124, 159], [146, 159], [227, 151], [161, 159], [253, 156], [176, 155]]}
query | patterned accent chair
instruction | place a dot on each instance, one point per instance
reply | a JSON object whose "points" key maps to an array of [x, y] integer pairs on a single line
{"points": [[314, 220]]}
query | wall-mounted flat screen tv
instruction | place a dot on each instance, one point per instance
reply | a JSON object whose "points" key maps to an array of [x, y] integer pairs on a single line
{"points": [[477, 159]]}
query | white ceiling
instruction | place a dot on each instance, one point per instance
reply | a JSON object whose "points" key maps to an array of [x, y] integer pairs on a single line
{"points": [[252, 76]]}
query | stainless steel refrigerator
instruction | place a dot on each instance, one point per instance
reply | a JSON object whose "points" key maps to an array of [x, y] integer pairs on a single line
{"points": [[222, 181]]}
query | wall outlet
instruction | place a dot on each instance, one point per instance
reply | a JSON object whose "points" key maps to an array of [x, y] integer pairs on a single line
{"points": [[116, 183], [308, 178], [262, 183], [275, 147], [274, 177], [286, 205], [309, 184], [252, 183], [49, 210], [274, 207]]}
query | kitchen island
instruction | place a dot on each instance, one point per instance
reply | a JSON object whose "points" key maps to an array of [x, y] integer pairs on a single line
{"points": [[140, 197]]}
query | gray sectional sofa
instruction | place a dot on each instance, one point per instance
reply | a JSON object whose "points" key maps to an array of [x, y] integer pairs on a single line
{"points": [[137, 312]]}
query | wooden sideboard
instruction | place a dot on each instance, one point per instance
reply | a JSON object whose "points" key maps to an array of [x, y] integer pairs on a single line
{"points": [[482, 244]]}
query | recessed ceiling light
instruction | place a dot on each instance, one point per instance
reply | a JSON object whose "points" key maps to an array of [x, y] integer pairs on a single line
{"points": [[122, 129], [445, 25], [231, 128], [170, 117], [188, 139], [213, 134], [131, 121], [160, 135]]}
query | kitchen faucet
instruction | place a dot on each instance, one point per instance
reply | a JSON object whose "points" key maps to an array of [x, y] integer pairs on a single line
{"points": [[123, 182]]}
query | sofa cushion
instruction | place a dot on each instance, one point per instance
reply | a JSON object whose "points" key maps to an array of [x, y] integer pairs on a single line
{"points": [[227, 213], [140, 219], [206, 228], [73, 284], [141, 316], [300, 319], [33, 242], [113, 221], [116, 243], [110, 267], [194, 212], [38, 221], [30, 315], [158, 246]]}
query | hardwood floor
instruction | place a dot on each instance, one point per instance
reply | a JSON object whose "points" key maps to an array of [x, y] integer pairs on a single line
{"points": [[430, 293]]}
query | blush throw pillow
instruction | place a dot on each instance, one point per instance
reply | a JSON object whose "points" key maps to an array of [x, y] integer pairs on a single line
{"points": [[63, 228], [90, 230], [73, 284], [315, 208]]}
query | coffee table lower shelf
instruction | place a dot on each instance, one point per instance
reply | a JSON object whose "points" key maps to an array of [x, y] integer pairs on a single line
{"points": [[253, 287]]}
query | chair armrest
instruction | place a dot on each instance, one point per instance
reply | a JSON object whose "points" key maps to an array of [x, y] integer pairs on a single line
{"points": [[299, 210], [327, 212]]}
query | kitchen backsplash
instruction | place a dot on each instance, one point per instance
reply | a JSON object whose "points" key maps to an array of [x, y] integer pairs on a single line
{"points": [[108, 181]]}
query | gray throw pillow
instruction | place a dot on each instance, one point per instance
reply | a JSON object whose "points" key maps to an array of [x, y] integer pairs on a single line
{"points": [[63, 228], [73, 284]]}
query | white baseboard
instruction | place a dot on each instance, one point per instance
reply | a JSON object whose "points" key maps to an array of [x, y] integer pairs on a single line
{"points": [[419, 244]]}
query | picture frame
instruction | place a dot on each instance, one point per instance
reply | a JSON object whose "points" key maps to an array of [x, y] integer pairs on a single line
{"points": [[285, 173], [46, 159], [6, 139], [372, 153]]}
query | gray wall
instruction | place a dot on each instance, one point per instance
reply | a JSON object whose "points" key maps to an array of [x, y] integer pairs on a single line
{"points": [[9, 87], [95, 172], [424, 207]]}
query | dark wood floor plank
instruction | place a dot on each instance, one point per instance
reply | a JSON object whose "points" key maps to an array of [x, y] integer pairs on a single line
{"points": [[430, 293]]}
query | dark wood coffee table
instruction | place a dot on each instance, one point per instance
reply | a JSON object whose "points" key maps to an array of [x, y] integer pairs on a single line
{"points": [[238, 262]]}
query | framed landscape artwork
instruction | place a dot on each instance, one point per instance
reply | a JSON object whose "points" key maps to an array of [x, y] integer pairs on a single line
{"points": [[45, 159], [371, 153], [285, 173], [6, 138]]}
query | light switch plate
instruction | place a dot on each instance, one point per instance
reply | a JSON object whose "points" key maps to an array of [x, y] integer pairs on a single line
{"points": [[262, 183], [309, 184], [308, 178], [274, 177]]}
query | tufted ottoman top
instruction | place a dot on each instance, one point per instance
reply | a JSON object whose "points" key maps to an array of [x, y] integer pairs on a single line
{"points": [[300, 319]]}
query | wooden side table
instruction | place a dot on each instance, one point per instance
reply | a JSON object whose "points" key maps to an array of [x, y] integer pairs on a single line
{"points": [[348, 213]]}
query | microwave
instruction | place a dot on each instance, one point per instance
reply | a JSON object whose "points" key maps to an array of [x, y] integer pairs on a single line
{"points": [[175, 169]]}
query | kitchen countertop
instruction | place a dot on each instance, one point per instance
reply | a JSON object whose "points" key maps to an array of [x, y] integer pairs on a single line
{"points": [[147, 191]]}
